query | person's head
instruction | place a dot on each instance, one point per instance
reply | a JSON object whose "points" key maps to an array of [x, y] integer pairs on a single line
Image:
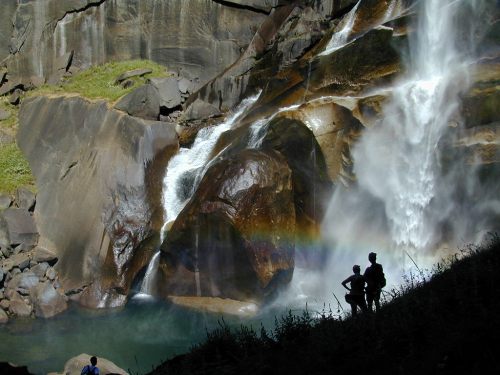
{"points": [[356, 269], [93, 361], [372, 257]]}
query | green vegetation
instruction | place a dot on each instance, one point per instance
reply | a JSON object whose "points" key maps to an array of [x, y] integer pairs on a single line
{"points": [[14, 169], [98, 82], [446, 323], [11, 122]]}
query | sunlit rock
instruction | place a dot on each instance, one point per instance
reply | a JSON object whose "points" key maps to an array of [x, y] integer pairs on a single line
{"points": [[93, 204], [75, 365], [235, 237], [47, 301]]}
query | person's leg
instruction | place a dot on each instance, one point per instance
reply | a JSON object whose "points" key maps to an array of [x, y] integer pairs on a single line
{"points": [[369, 300], [353, 309], [362, 304], [377, 300]]}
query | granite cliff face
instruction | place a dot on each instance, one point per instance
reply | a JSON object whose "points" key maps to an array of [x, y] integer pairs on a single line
{"points": [[93, 206]]}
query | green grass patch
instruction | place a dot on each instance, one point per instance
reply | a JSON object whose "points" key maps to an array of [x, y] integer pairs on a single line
{"points": [[14, 169], [98, 82], [11, 122]]}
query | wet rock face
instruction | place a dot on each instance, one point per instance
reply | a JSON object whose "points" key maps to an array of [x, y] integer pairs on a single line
{"points": [[236, 234], [90, 164], [105, 30]]}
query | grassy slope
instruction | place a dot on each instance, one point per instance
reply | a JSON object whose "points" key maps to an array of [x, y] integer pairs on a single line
{"points": [[446, 325], [94, 83]]}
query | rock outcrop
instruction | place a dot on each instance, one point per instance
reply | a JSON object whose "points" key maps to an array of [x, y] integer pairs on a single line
{"points": [[93, 206], [74, 366], [235, 237]]}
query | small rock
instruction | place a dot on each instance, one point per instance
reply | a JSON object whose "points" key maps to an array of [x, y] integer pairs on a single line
{"points": [[5, 304], [3, 317], [32, 263], [51, 273], [15, 97], [40, 269], [168, 91], [41, 254], [47, 301], [20, 260], [6, 251], [132, 73], [18, 306], [201, 110], [4, 115], [26, 280], [143, 102], [184, 85], [15, 271], [23, 248], [127, 83], [2, 275], [25, 199], [21, 226]]}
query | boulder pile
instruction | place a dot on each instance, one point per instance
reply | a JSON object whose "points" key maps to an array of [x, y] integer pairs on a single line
{"points": [[29, 285]]}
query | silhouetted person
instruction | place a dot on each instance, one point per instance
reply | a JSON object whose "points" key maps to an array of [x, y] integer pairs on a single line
{"points": [[375, 281], [356, 295], [91, 369]]}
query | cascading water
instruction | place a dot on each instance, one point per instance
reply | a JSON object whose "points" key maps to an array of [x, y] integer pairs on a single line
{"points": [[340, 38], [185, 169], [402, 195], [183, 174], [397, 161]]}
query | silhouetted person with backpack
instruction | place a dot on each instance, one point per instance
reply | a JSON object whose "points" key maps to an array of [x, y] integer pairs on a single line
{"points": [[91, 369], [356, 295], [375, 281]]}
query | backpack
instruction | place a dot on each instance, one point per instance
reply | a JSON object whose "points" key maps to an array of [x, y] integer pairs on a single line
{"points": [[88, 371], [383, 281]]}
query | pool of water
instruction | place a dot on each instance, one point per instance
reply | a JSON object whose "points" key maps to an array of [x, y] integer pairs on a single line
{"points": [[136, 338]]}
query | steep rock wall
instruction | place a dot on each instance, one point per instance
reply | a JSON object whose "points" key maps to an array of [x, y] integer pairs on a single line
{"points": [[93, 207], [200, 37]]}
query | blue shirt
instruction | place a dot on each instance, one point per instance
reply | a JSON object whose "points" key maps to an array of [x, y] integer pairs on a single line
{"points": [[89, 369]]}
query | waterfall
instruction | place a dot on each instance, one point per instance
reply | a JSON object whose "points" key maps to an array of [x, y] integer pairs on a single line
{"points": [[183, 174], [185, 170], [147, 286], [340, 38], [397, 161]]}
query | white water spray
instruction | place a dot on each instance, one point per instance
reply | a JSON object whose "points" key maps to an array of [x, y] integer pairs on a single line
{"points": [[184, 172], [185, 169], [397, 160], [340, 38]]}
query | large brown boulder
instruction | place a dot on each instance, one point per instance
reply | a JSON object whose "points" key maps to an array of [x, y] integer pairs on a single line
{"points": [[94, 207], [235, 238]]}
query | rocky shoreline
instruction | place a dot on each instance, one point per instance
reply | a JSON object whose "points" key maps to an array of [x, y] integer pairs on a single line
{"points": [[29, 284]]}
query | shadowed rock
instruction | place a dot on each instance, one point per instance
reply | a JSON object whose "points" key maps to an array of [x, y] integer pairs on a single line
{"points": [[236, 234], [21, 226], [143, 102]]}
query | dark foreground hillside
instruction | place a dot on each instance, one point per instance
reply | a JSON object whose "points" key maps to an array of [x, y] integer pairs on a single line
{"points": [[448, 324]]}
